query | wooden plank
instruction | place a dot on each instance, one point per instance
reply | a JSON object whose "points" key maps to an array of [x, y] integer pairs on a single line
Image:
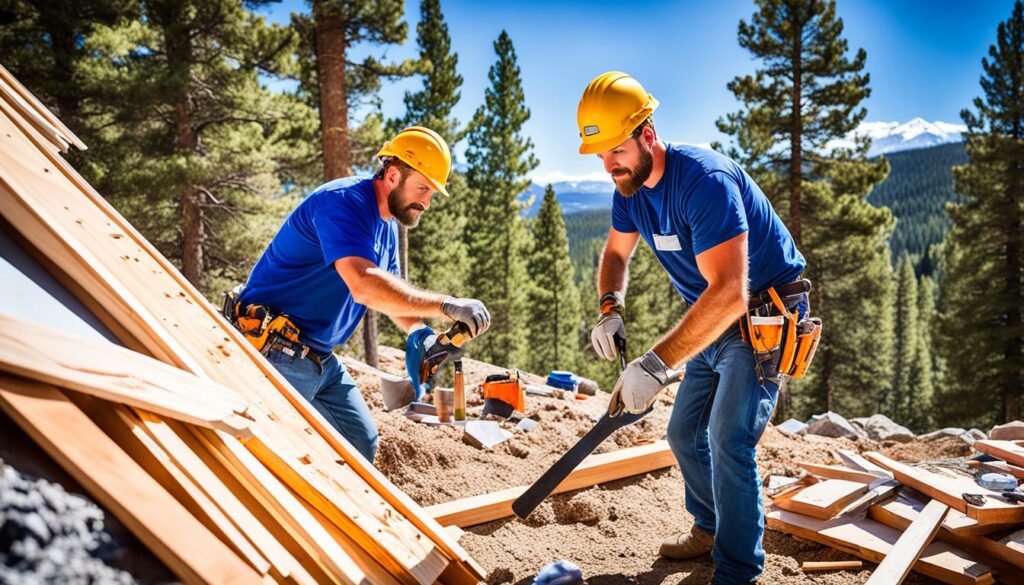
{"points": [[823, 500], [895, 566], [188, 332], [125, 428], [1008, 560], [110, 372], [872, 541], [120, 485], [596, 469], [950, 490], [838, 472], [997, 467], [1010, 451], [857, 462], [13, 86], [815, 566]]}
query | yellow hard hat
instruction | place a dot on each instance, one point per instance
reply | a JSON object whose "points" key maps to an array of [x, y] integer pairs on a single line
{"points": [[612, 106], [425, 151]]}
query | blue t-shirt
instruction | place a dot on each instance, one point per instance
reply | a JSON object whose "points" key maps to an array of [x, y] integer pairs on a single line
{"points": [[296, 274], [702, 200]]}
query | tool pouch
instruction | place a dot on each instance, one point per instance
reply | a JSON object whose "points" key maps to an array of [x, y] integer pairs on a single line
{"points": [[784, 342], [258, 323]]}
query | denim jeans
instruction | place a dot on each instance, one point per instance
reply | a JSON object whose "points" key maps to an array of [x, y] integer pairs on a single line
{"points": [[720, 412], [334, 394]]}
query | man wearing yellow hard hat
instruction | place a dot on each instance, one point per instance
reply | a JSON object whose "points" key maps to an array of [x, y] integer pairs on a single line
{"points": [[718, 238], [336, 255]]}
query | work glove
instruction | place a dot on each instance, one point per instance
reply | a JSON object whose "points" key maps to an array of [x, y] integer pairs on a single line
{"points": [[640, 383], [602, 337], [416, 345], [470, 311]]}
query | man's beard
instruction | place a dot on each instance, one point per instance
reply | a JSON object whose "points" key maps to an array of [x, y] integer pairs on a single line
{"points": [[405, 214], [629, 181]]}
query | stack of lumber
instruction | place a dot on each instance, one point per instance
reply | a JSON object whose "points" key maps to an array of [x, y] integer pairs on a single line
{"points": [[907, 517], [181, 429]]}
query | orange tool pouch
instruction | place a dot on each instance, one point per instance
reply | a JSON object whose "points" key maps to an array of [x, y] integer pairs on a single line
{"points": [[261, 325], [783, 342], [509, 389]]}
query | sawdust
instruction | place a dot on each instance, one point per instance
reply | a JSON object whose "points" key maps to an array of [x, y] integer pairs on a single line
{"points": [[611, 531]]}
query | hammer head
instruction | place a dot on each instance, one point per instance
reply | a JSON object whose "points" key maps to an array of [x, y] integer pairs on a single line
{"points": [[396, 391]]}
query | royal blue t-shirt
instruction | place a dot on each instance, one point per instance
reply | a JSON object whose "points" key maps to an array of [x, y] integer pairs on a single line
{"points": [[296, 273], [702, 200]]}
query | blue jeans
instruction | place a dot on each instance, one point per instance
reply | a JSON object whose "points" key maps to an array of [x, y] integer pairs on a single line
{"points": [[334, 394], [720, 412]]}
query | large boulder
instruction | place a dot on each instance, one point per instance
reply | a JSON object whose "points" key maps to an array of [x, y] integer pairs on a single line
{"points": [[1011, 431], [946, 432], [792, 426], [881, 428], [831, 424]]}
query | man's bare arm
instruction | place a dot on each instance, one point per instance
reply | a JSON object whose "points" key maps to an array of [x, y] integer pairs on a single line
{"points": [[613, 270], [724, 301], [382, 291]]}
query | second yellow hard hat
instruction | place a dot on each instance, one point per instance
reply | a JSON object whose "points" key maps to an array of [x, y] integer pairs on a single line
{"points": [[612, 106], [425, 151]]}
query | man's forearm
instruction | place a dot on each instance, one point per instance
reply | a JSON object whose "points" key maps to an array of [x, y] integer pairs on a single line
{"points": [[382, 291], [612, 274], [713, 313]]}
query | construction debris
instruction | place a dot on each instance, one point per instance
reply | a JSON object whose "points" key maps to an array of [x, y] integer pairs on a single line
{"points": [[485, 434]]}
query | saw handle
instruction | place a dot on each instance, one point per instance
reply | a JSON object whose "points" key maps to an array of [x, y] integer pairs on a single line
{"points": [[620, 344], [457, 335]]}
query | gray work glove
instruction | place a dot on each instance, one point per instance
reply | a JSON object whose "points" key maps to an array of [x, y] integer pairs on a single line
{"points": [[602, 337], [640, 383], [469, 311]]}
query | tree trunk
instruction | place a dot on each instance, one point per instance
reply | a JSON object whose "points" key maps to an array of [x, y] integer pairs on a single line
{"points": [[186, 139], [330, 63], [403, 251], [1012, 349], [370, 338], [796, 153]]}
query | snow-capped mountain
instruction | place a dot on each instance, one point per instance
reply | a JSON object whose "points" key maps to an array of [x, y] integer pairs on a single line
{"points": [[573, 195], [889, 137]]}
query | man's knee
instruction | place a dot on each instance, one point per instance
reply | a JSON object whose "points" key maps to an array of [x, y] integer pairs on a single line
{"points": [[682, 436]]}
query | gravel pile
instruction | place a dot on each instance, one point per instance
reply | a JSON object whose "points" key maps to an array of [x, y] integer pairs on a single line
{"points": [[50, 536]]}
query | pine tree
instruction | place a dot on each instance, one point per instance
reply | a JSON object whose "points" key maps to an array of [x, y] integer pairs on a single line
{"points": [[982, 290], [924, 374], [896, 404], [499, 159], [807, 93], [195, 150], [554, 300], [438, 257]]}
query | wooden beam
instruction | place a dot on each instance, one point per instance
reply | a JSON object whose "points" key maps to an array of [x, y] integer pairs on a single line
{"points": [[822, 500], [997, 467], [120, 485], [839, 472], [895, 566], [596, 469], [950, 490], [60, 214], [110, 372], [815, 566], [858, 462], [1006, 558], [872, 541]]}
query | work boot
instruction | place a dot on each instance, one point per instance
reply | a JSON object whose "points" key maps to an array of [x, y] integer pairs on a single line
{"points": [[687, 545]]}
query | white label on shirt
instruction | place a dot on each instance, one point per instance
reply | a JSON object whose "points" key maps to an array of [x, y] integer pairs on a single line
{"points": [[669, 243]]}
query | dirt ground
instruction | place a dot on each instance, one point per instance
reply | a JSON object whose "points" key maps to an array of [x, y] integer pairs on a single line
{"points": [[611, 531]]}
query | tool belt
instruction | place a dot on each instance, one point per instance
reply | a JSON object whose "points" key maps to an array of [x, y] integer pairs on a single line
{"points": [[267, 329], [784, 342], [503, 394]]}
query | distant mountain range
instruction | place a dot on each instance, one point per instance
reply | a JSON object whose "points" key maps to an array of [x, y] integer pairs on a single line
{"points": [[886, 137]]}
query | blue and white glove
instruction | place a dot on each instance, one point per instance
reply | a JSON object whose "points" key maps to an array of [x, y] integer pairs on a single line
{"points": [[640, 383], [416, 345]]}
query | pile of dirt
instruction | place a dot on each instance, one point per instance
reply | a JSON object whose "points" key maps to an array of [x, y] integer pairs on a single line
{"points": [[612, 531]]}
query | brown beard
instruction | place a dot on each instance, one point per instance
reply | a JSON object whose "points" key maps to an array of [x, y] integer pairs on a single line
{"points": [[634, 178], [403, 213]]}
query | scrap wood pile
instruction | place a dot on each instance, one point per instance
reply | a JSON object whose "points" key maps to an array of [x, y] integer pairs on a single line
{"points": [[180, 429], [936, 520]]}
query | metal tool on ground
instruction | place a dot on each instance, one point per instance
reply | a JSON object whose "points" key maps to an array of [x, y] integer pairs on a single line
{"points": [[503, 394], [397, 391], [975, 499], [460, 392]]}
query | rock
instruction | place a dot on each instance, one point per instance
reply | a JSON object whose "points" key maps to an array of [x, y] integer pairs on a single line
{"points": [[860, 422], [881, 428], [946, 432], [973, 435], [833, 425], [792, 426], [1011, 431]]}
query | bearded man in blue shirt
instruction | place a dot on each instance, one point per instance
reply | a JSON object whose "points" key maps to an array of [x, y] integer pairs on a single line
{"points": [[337, 255], [719, 239]]}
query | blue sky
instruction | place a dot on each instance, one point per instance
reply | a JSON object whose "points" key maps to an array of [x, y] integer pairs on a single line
{"points": [[924, 59]]}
